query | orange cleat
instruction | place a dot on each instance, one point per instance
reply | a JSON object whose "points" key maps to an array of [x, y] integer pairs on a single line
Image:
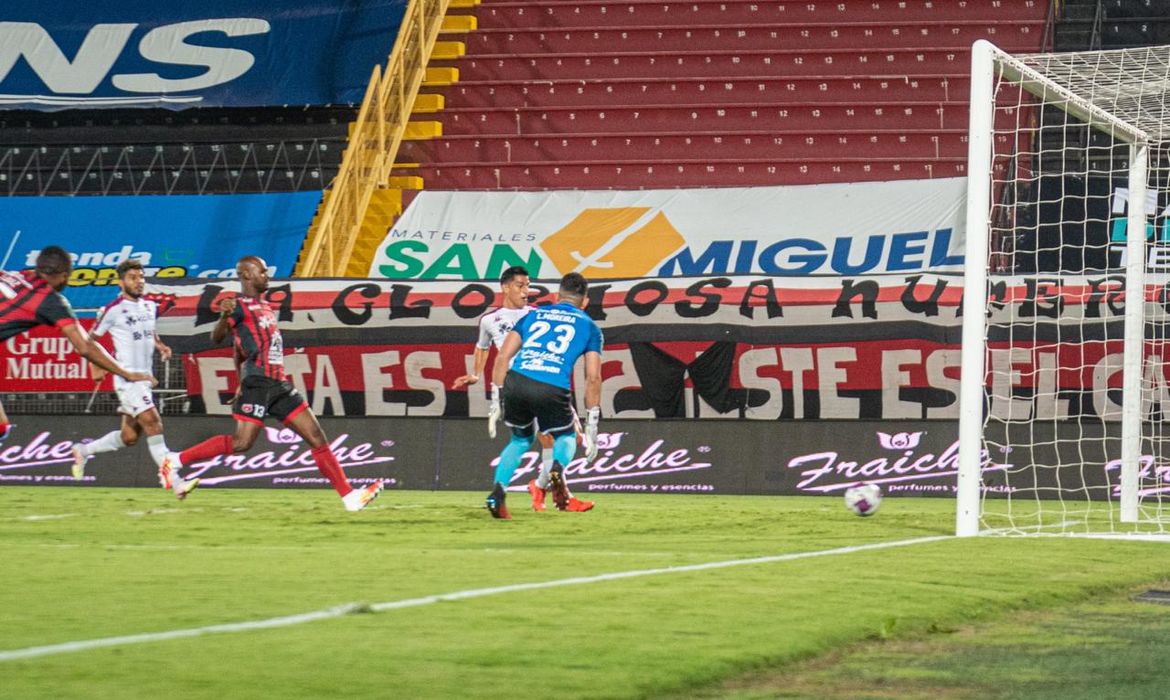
{"points": [[538, 495], [576, 505]]}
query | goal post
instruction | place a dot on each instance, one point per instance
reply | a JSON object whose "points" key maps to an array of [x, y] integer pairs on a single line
{"points": [[1063, 399]]}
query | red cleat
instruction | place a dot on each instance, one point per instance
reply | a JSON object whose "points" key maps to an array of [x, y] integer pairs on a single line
{"points": [[576, 505], [495, 504], [538, 495]]}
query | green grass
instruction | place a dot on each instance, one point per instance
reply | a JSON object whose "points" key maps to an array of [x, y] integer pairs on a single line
{"points": [[132, 561]]}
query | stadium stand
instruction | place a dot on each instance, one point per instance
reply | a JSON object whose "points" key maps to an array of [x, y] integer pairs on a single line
{"points": [[637, 94], [137, 151]]}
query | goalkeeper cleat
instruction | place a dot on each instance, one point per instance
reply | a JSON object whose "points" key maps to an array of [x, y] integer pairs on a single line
{"points": [[495, 504], [168, 471], [556, 484], [183, 487], [538, 495], [360, 498], [78, 463], [576, 505]]}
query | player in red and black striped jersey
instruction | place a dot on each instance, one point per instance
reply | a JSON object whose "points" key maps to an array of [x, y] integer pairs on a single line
{"points": [[32, 298], [264, 388]]}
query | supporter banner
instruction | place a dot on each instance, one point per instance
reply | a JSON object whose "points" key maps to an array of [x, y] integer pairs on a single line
{"points": [[762, 348], [907, 458], [174, 236], [136, 53], [907, 226]]}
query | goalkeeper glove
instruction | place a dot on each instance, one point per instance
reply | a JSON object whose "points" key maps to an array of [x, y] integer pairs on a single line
{"points": [[494, 411], [591, 419]]}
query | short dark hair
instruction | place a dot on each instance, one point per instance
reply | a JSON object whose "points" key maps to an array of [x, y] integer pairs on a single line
{"points": [[128, 265], [513, 272], [53, 260], [574, 285]]}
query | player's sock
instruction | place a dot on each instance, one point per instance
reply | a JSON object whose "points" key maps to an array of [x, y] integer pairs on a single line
{"points": [[216, 446], [546, 461], [565, 448], [327, 464], [157, 444], [107, 443], [510, 458]]}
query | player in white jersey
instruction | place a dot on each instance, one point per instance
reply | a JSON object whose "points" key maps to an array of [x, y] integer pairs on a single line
{"points": [[493, 328], [130, 321]]}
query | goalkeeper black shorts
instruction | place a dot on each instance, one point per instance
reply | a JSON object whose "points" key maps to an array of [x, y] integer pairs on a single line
{"points": [[531, 405]]}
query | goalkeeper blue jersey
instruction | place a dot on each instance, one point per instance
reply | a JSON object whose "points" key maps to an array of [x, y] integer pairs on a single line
{"points": [[552, 338]]}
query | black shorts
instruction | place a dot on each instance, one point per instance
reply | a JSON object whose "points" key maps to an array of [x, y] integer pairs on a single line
{"points": [[529, 404], [264, 397]]}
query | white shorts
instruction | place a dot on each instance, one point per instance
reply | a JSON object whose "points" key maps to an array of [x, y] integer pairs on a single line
{"points": [[136, 398]]}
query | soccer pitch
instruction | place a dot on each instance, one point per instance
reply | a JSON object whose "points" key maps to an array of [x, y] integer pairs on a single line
{"points": [[424, 596]]}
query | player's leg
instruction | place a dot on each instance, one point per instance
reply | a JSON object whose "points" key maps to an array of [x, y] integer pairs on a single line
{"points": [[150, 423], [5, 426], [538, 487], [110, 442], [296, 415], [519, 417], [133, 398], [555, 409]]}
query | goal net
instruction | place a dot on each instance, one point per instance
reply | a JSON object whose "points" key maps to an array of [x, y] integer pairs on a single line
{"points": [[1065, 406]]}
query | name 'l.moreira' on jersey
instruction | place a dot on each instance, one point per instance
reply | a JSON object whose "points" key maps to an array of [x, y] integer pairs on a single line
{"points": [[552, 338]]}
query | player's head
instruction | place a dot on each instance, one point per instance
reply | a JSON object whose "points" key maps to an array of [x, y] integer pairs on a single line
{"points": [[514, 286], [253, 272], [573, 288], [54, 266], [132, 278]]}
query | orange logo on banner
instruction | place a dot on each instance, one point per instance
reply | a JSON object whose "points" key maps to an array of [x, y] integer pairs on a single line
{"points": [[586, 244]]}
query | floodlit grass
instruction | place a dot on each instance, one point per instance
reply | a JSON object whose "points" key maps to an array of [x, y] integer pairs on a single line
{"points": [[88, 563]]}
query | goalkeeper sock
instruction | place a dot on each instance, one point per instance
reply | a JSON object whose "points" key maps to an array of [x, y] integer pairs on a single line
{"points": [[510, 458], [327, 464], [107, 443], [565, 448], [157, 445], [546, 462], [216, 446]]}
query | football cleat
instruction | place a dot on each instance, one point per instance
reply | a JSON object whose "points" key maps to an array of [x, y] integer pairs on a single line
{"points": [[538, 495], [168, 471], [556, 484], [78, 463], [360, 498], [495, 504], [183, 487], [576, 505]]}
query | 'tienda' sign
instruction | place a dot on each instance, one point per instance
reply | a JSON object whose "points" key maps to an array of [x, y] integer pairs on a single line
{"points": [[851, 229]]}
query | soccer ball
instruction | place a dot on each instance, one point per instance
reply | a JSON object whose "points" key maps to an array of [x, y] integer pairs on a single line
{"points": [[863, 499]]}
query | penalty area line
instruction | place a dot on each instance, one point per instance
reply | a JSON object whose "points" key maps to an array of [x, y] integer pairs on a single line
{"points": [[351, 608]]}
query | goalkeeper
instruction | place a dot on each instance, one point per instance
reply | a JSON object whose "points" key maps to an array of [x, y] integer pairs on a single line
{"points": [[537, 357]]}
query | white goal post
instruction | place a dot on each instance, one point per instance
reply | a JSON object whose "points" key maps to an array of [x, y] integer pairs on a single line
{"points": [[1064, 407]]}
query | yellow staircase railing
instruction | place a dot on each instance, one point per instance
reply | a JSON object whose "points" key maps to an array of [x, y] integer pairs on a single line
{"points": [[373, 142]]}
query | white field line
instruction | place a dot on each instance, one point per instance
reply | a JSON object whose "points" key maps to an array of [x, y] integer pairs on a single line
{"points": [[350, 608]]}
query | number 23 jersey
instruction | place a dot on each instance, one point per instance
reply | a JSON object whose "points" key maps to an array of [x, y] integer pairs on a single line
{"points": [[551, 340]]}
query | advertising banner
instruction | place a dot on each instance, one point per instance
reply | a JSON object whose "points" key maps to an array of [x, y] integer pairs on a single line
{"points": [[909, 226], [44, 360], [907, 458], [175, 236], [137, 53]]}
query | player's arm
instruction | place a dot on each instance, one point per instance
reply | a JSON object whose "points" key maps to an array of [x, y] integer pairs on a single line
{"points": [[91, 350], [227, 308], [592, 380], [164, 350], [481, 355]]}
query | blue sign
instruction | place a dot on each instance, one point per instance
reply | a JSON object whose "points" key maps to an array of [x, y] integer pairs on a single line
{"points": [[174, 236], [213, 53]]}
